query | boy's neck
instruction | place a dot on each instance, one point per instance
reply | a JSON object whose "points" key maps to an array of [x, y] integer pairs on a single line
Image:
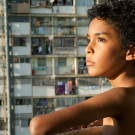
{"points": [[125, 79]]}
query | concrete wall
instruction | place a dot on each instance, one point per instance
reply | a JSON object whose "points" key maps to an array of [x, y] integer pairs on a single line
{"points": [[82, 30], [23, 50], [64, 9], [22, 90], [23, 108], [22, 69], [43, 91], [21, 28], [22, 130], [84, 90], [81, 49]]}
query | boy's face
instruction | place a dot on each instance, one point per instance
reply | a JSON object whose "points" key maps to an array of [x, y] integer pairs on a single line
{"points": [[104, 53]]}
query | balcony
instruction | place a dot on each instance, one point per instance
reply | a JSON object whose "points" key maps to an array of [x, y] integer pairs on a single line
{"points": [[42, 106], [65, 86], [41, 26], [41, 4], [41, 46]]}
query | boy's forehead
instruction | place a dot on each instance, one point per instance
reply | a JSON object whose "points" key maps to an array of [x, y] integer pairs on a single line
{"points": [[98, 27]]}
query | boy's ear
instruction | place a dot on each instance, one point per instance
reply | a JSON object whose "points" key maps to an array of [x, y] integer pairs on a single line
{"points": [[130, 55]]}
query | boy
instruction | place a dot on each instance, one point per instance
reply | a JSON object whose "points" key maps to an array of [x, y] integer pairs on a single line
{"points": [[110, 53]]}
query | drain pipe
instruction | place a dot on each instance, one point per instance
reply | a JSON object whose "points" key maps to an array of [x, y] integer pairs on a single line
{"points": [[8, 70]]}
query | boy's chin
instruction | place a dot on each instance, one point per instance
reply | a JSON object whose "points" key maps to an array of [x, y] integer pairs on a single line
{"points": [[92, 74]]}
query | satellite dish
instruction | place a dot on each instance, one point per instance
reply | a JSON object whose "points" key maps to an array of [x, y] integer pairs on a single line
{"points": [[51, 1], [50, 37]]}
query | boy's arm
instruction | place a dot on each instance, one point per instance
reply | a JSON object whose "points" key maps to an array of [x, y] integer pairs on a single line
{"points": [[103, 105]]}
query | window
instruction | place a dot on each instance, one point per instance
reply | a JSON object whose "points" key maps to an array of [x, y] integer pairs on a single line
{"points": [[82, 42], [64, 42], [19, 41], [17, 122], [26, 101], [62, 62], [63, 2], [84, 3], [20, 19], [23, 101], [41, 62], [27, 60], [16, 60], [25, 123], [21, 60], [0, 102], [20, 1]]}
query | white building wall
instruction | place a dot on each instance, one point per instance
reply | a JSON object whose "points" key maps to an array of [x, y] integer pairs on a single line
{"points": [[81, 10], [82, 30], [43, 91], [22, 69], [21, 28], [81, 50], [64, 9], [23, 50], [105, 88], [1, 70], [84, 90], [22, 90], [22, 130], [23, 108], [40, 11], [1, 111]]}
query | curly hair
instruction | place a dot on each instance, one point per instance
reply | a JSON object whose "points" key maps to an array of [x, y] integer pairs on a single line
{"points": [[121, 16]]}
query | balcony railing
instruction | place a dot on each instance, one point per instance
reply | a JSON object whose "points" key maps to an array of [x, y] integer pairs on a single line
{"points": [[64, 23], [64, 31], [42, 71], [64, 51], [23, 114], [41, 30], [66, 70], [82, 70]]}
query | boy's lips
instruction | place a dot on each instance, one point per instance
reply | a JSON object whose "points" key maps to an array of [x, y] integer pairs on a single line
{"points": [[89, 63]]}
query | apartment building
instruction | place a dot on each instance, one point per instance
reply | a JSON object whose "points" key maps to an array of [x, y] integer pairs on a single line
{"points": [[47, 40]]}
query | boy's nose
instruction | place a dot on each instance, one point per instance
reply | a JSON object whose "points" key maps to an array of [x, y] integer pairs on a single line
{"points": [[88, 49]]}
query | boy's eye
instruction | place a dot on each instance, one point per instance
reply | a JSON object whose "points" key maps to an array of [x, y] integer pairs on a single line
{"points": [[101, 39]]}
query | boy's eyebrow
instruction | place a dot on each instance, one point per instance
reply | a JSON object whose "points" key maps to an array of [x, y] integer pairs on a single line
{"points": [[101, 33], [97, 34]]}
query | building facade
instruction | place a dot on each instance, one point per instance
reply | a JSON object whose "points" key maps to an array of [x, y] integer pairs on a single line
{"points": [[47, 40]]}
